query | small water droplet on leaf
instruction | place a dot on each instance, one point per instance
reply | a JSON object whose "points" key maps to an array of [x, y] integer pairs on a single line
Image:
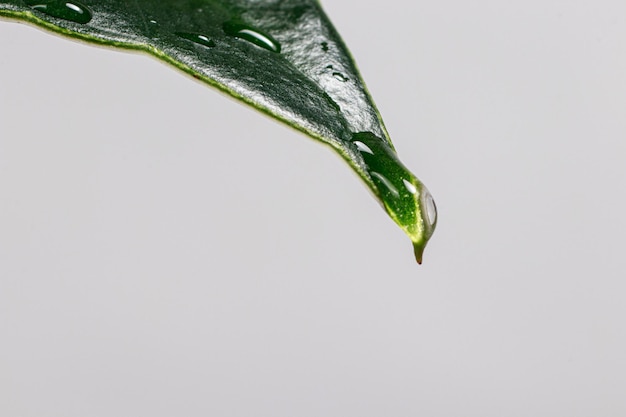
{"points": [[197, 38], [252, 35], [66, 10], [339, 76]]}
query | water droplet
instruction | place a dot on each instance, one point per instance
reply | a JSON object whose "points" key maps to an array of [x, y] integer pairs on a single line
{"points": [[72, 11], [339, 76], [199, 39], [325, 46], [431, 208], [241, 31], [154, 22], [403, 196]]}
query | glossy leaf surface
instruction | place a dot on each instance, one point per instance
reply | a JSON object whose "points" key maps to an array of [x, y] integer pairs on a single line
{"points": [[283, 57]]}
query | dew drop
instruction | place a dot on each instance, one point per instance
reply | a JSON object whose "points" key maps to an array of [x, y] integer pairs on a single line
{"points": [[72, 11], [403, 196], [339, 76], [194, 37], [431, 208], [245, 32]]}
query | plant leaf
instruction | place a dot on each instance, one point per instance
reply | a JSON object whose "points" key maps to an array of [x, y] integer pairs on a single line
{"points": [[283, 57]]}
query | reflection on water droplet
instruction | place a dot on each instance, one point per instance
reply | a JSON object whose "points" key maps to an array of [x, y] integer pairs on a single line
{"points": [[363, 147], [431, 208], [72, 11], [339, 76], [241, 31], [386, 182], [154, 22], [194, 37], [410, 187]]}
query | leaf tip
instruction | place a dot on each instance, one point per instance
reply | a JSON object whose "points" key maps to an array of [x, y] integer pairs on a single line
{"points": [[418, 249]]}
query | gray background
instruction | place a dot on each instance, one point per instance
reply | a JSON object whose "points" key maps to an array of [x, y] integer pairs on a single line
{"points": [[166, 251]]}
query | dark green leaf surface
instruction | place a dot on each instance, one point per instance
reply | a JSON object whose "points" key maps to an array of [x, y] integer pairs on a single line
{"points": [[283, 57]]}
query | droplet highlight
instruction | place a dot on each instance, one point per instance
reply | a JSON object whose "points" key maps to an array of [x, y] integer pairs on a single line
{"points": [[66, 10], [380, 179], [252, 35], [196, 38], [410, 187], [363, 147]]}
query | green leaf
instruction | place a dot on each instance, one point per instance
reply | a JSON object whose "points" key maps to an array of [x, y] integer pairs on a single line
{"points": [[283, 57]]}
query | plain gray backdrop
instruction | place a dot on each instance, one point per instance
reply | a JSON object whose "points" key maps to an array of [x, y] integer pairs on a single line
{"points": [[167, 251]]}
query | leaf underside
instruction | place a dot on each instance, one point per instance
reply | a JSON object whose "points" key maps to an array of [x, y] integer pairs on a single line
{"points": [[284, 57]]}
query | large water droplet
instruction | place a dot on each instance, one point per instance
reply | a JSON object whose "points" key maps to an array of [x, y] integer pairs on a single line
{"points": [[389, 175], [199, 39], [252, 35], [431, 208], [72, 11], [403, 196]]}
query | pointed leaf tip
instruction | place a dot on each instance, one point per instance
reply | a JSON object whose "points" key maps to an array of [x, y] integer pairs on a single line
{"points": [[284, 58], [419, 252]]}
